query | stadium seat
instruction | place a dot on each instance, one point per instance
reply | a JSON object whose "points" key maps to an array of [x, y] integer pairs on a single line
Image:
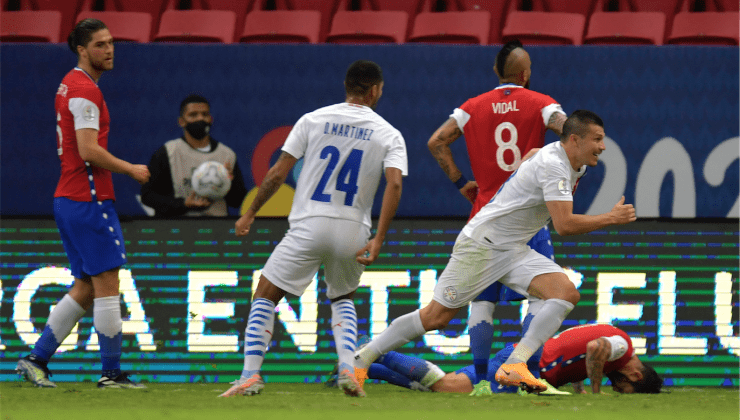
{"points": [[411, 7], [67, 8], [497, 10], [197, 26], [452, 27], [153, 8], [667, 7], [282, 26], [368, 27], [544, 28], [325, 7], [30, 26], [625, 28], [124, 26], [705, 28], [239, 7]]}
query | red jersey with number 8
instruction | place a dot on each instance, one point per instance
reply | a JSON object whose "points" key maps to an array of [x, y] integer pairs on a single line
{"points": [[501, 126], [79, 104]]}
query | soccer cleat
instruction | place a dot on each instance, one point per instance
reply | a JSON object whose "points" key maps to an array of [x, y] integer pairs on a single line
{"points": [[517, 374], [360, 378], [551, 390], [245, 386], [119, 382], [333, 377], [34, 373], [349, 384], [481, 389]]}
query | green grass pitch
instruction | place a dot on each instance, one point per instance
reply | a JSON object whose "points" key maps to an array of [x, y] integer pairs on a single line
{"points": [[79, 401]]}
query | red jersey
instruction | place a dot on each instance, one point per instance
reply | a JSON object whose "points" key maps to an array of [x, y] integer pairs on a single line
{"points": [[79, 104], [564, 356], [500, 127]]}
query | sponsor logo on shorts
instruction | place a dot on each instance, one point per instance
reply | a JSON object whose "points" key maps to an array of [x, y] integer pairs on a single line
{"points": [[450, 294]]}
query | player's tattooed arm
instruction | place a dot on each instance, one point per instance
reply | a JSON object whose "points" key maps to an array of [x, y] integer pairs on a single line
{"points": [[439, 146], [273, 180], [556, 121], [597, 353]]}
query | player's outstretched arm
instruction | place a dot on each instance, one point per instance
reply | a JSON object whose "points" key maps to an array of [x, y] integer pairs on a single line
{"points": [[597, 353], [273, 180], [90, 151], [439, 146], [391, 198], [568, 223]]}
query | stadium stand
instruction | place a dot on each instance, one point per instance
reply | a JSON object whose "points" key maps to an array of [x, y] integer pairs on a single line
{"points": [[623, 28], [239, 7], [667, 7], [278, 26], [67, 8], [124, 26], [544, 28], [468, 27], [197, 26], [368, 27], [30, 26], [134, 16], [705, 28]]}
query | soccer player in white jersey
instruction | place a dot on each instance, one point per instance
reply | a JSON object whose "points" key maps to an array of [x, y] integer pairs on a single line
{"points": [[345, 149], [493, 247]]}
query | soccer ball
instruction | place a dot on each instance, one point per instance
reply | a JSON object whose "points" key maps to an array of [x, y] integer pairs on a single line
{"points": [[211, 180]]}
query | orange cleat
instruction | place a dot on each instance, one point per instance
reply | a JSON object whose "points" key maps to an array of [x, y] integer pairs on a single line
{"points": [[349, 384], [360, 378], [245, 386], [517, 374]]}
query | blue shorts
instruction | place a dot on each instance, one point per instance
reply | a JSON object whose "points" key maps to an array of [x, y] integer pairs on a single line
{"points": [[495, 362], [91, 235], [497, 292]]}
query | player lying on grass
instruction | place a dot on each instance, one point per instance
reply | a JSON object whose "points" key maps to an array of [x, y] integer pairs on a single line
{"points": [[587, 351]]}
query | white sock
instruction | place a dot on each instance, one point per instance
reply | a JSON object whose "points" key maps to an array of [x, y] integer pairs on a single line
{"points": [[402, 330], [544, 324], [344, 327], [257, 335], [481, 311], [107, 315], [64, 317]]}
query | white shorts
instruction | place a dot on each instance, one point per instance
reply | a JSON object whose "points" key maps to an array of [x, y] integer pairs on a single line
{"points": [[314, 241], [473, 267]]}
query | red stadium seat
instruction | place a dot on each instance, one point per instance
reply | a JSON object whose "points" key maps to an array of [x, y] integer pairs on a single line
{"points": [[197, 26], [545, 28], [624, 28], [239, 7], [30, 26], [67, 8], [705, 28], [325, 7], [153, 8], [368, 27], [282, 26], [452, 27], [124, 26], [667, 7], [411, 7], [497, 9]]}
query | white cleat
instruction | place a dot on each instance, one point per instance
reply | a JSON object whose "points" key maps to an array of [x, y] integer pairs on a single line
{"points": [[245, 386]]}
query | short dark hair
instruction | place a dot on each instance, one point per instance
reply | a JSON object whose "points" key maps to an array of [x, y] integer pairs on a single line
{"points": [[192, 99], [578, 123], [650, 383], [361, 76], [83, 32], [503, 55]]}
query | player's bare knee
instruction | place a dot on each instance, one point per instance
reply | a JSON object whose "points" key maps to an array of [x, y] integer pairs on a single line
{"points": [[573, 296]]}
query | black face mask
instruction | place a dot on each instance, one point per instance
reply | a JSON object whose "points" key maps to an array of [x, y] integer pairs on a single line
{"points": [[198, 129]]}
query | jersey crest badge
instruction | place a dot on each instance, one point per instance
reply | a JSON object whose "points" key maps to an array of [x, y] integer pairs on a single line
{"points": [[564, 187], [450, 294]]}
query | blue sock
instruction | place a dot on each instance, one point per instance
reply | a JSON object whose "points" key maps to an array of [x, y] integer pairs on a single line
{"points": [[107, 321], [481, 339], [409, 366], [378, 371], [45, 347]]}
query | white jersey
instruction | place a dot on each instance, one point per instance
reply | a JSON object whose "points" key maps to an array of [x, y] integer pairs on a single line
{"points": [[345, 148], [518, 210]]}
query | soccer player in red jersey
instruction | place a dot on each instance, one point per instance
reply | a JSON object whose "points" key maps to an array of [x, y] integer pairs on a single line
{"points": [[502, 127], [583, 352], [84, 212]]}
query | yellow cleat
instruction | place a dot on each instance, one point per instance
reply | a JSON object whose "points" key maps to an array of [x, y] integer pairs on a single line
{"points": [[481, 389], [517, 374]]}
